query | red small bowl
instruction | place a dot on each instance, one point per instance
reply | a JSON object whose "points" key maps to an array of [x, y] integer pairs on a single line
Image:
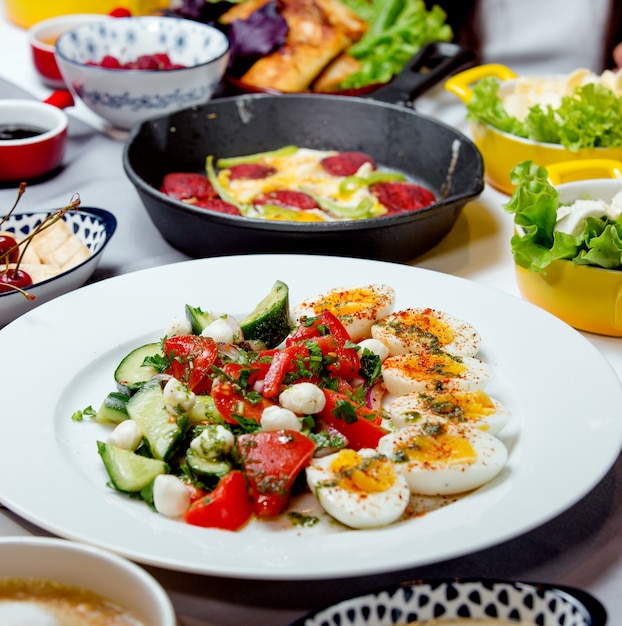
{"points": [[29, 158], [42, 37]]}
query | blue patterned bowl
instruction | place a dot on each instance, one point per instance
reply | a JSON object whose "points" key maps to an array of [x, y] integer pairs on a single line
{"points": [[93, 226], [126, 96], [420, 601]]}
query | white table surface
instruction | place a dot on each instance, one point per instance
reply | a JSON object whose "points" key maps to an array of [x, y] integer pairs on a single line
{"points": [[582, 547]]}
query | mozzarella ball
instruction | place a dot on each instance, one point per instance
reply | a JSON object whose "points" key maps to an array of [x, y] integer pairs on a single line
{"points": [[177, 327], [571, 218], [303, 398], [224, 329], [375, 346], [126, 434], [356, 307], [475, 407], [410, 329], [359, 489], [442, 459], [431, 370], [278, 418], [213, 442], [170, 496], [177, 395]]}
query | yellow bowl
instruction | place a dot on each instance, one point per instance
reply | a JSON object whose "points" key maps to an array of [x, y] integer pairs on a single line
{"points": [[588, 298], [25, 13], [503, 151]]}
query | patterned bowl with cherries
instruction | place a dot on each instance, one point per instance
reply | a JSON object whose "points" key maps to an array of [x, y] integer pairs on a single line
{"points": [[94, 227], [198, 55]]}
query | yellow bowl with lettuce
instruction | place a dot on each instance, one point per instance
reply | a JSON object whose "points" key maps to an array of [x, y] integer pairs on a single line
{"points": [[568, 255], [493, 94]]}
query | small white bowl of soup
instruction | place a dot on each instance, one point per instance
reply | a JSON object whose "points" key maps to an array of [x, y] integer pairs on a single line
{"points": [[464, 602], [56, 582]]}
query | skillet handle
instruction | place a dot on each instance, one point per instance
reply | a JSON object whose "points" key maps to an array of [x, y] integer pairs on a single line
{"points": [[434, 62]]}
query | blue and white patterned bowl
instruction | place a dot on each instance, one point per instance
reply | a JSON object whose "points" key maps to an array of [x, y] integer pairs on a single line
{"points": [[93, 226], [420, 601], [124, 97]]}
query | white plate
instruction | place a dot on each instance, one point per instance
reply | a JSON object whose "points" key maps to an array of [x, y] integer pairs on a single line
{"points": [[62, 358]]}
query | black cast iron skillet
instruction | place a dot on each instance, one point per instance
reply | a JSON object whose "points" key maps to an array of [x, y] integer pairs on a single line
{"points": [[396, 136]]}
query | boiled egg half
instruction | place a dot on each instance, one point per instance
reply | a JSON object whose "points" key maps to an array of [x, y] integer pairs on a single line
{"points": [[358, 308], [433, 370], [474, 407], [410, 329], [444, 459], [360, 489]]}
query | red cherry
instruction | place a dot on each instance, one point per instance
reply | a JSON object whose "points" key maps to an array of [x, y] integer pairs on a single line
{"points": [[110, 62], [8, 245], [120, 12], [14, 278]]}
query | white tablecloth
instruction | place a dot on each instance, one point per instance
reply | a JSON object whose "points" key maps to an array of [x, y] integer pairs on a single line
{"points": [[582, 547]]}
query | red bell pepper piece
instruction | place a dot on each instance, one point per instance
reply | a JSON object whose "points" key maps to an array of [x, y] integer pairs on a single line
{"points": [[283, 362], [326, 323], [231, 403], [228, 506], [271, 461], [192, 359], [361, 426]]}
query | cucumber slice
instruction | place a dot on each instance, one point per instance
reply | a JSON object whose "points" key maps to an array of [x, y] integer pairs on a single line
{"points": [[113, 409], [198, 318], [204, 411], [147, 408], [129, 471], [270, 321], [131, 374], [206, 470]]}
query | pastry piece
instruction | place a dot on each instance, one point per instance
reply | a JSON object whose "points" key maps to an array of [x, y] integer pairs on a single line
{"points": [[319, 31], [336, 72]]}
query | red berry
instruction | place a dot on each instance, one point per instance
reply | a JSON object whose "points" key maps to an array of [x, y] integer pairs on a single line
{"points": [[8, 245], [110, 62], [14, 278], [120, 12]]}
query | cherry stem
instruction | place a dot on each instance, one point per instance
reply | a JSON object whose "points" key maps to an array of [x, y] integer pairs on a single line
{"points": [[47, 222], [20, 193]]}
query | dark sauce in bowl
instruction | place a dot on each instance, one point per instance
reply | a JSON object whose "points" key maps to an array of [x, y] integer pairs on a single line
{"points": [[10, 132]]}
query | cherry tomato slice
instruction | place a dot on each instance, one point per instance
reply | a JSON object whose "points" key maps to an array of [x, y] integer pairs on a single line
{"points": [[361, 426], [271, 461], [192, 359], [227, 507]]}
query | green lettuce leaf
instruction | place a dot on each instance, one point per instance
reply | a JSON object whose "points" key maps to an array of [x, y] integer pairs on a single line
{"points": [[590, 117], [537, 244], [397, 30]]}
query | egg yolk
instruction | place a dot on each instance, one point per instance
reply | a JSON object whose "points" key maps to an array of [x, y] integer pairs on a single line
{"points": [[422, 325], [444, 448], [432, 365], [353, 304], [367, 474], [467, 406], [294, 216]]}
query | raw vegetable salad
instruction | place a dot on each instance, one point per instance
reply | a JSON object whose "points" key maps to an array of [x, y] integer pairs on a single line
{"points": [[538, 211], [225, 420]]}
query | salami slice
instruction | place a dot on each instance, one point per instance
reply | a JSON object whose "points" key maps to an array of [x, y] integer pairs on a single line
{"points": [[288, 199], [186, 185], [251, 170], [399, 197], [346, 163], [217, 204]]}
